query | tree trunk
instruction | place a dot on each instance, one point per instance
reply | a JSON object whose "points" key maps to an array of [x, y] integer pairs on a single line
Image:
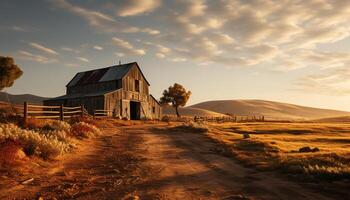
{"points": [[177, 111]]}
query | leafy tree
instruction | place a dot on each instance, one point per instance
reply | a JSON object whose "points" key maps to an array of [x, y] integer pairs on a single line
{"points": [[9, 72], [176, 95]]}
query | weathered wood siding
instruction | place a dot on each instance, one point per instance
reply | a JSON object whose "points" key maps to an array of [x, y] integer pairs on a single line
{"points": [[113, 102], [129, 84], [90, 103], [96, 87], [155, 109]]}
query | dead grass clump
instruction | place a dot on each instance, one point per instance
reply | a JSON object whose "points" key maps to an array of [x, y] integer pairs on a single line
{"points": [[11, 153], [34, 143], [84, 130], [194, 127], [34, 124], [47, 125]]}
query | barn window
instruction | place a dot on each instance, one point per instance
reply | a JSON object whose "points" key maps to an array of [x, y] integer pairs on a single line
{"points": [[154, 109], [137, 85]]}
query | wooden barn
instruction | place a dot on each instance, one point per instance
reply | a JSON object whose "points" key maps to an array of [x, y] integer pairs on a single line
{"points": [[120, 90]]}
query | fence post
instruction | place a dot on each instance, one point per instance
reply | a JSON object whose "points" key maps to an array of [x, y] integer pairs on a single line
{"points": [[25, 113], [82, 110], [61, 112]]}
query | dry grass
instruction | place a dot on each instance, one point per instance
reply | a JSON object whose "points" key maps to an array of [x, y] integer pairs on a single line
{"points": [[276, 146], [43, 138], [194, 127], [85, 130], [11, 153]]}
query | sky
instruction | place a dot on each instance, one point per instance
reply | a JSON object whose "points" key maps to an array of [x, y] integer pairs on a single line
{"points": [[292, 51]]}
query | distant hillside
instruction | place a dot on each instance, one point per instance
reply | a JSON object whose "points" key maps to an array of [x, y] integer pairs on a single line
{"points": [[343, 119], [270, 109], [168, 110], [19, 99]]}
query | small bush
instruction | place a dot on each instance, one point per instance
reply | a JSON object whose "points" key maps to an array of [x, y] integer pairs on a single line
{"points": [[56, 125], [82, 129], [308, 150], [195, 127], [34, 143], [11, 153], [34, 124]]}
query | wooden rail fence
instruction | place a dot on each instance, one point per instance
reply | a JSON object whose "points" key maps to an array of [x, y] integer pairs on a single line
{"points": [[231, 119], [103, 113], [52, 112]]}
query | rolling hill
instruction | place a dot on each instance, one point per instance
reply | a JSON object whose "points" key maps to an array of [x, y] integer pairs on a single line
{"points": [[270, 109], [20, 98], [187, 111]]}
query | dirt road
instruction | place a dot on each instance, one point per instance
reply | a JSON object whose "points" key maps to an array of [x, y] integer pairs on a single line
{"points": [[142, 162]]}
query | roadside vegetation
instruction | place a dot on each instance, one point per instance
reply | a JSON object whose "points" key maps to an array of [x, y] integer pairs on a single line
{"points": [[313, 150], [44, 139]]}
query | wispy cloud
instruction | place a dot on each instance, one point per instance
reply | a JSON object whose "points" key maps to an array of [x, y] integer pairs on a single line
{"points": [[71, 65], [127, 8], [25, 55], [25, 29], [93, 17], [83, 59], [96, 47], [68, 49], [42, 48], [106, 23], [126, 47]]}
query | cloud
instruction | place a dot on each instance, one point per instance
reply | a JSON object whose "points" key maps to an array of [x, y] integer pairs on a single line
{"points": [[93, 17], [160, 55], [25, 29], [83, 59], [71, 65], [42, 48], [127, 8], [150, 31], [280, 35], [222, 38], [126, 47], [68, 49], [332, 82], [104, 22], [119, 54], [25, 55], [178, 59], [96, 47]]}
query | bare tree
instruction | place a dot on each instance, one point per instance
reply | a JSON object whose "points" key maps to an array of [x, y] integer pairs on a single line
{"points": [[176, 95]]}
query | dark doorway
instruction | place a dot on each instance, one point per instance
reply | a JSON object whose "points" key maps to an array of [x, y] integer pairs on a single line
{"points": [[135, 110]]}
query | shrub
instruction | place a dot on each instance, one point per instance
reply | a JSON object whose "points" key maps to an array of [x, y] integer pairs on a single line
{"points": [[34, 124], [55, 125], [196, 127], [11, 153], [82, 129], [34, 143]]}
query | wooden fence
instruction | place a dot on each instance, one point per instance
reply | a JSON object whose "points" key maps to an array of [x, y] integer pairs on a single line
{"points": [[52, 112], [103, 113], [231, 119]]}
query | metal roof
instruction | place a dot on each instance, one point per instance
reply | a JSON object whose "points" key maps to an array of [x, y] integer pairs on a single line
{"points": [[73, 96], [111, 73]]}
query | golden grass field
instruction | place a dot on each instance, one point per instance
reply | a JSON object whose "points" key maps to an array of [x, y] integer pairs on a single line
{"points": [[276, 146]]}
